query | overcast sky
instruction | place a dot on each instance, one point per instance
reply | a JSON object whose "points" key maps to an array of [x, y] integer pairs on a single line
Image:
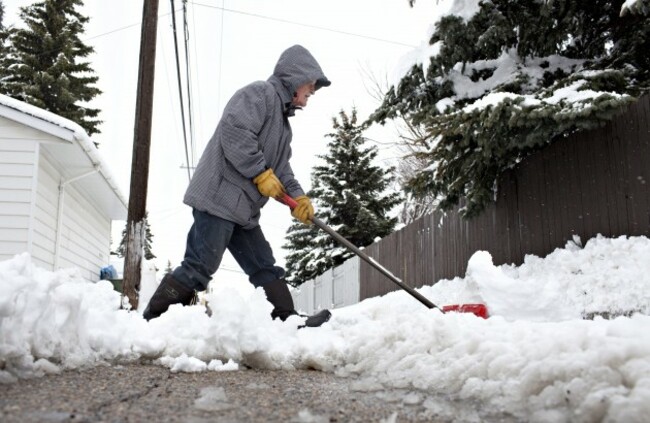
{"points": [[233, 43]]}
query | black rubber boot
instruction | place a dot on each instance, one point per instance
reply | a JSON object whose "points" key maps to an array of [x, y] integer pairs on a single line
{"points": [[170, 291], [278, 294]]}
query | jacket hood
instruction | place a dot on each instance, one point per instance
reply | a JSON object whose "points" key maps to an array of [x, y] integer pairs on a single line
{"points": [[297, 67]]}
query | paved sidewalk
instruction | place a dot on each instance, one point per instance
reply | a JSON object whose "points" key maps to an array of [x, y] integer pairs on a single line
{"points": [[149, 393]]}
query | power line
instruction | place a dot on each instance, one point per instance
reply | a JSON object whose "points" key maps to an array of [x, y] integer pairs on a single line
{"points": [[190, 109], [180, 90], [122, 28], [117, 30], [198, 78], [169, 86], [320, 28]]}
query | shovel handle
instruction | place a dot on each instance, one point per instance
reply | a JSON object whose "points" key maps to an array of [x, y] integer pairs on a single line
{"points": [[286, 199], [289, 201]]}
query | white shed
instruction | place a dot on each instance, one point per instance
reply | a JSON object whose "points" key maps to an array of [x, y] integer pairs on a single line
{"points": [[57, 197]]}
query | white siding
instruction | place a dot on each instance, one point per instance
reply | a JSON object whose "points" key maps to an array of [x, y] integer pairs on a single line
{"points": [[338, 287], [18, 157], [47, 203], [34, 154], [323, 291], [303, 297], [85, 231], [85, 241], [13, 131], [345, 283]]}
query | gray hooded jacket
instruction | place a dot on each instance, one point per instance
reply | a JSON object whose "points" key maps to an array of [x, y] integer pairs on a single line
{"points": [[253, 135]]}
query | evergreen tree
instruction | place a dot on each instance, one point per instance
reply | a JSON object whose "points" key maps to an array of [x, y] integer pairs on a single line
{"points": [[43, 63], [508, 77], [148, 237], [348, 192], [3, 41]]}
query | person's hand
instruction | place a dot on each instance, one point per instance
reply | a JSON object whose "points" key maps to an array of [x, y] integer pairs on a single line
{"points": [[269, 185], [304, 211]]}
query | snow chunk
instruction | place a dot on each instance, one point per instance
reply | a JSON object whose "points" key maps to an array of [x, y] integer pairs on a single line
{"points": [[219, 366], [212, 398], [183, 364]]}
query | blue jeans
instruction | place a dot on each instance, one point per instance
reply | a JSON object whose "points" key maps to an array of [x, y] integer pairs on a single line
{"points": [[207, 241]]}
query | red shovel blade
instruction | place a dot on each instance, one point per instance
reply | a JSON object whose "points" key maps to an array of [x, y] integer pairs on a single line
{"points": [[480, 310]]}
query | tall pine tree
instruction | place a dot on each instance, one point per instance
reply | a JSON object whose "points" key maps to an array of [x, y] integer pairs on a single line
{"points": [[3, 41], [43, 63], [349, 194], [503, 78]]}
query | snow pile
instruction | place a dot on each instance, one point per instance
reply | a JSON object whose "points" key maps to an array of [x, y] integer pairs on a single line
{"points": [[535, 358], [607, 276]]}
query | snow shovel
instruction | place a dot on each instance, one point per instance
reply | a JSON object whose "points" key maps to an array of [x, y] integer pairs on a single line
{"points": [[479, 310]]}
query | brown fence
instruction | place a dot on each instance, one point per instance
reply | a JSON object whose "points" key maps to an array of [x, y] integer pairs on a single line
{"points": [[593, 182]]}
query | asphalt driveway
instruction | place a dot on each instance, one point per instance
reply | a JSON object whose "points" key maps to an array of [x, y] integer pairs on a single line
{"points": [[151, 393]]}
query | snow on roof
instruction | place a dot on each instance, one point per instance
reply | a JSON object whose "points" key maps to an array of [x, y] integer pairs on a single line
{"points": [[66, 129]]}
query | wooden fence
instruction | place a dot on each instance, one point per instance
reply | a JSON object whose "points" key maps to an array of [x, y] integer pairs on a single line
{"points": [[592, 182]]}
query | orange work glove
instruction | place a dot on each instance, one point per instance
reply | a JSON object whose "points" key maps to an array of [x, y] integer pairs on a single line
{"points": [[268, 184], [304, 211]]}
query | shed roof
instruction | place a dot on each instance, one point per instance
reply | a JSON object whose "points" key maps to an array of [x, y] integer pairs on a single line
{"points": [[75, 155]]}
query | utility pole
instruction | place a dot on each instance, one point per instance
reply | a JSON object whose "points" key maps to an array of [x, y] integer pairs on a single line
{"points": [[141, 145]]}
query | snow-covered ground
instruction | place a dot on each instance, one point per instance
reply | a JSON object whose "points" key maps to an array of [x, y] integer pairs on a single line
{"points": [[535, 357]]}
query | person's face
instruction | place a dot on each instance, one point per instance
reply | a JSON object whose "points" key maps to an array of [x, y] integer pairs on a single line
{"points": [[303, 93]]}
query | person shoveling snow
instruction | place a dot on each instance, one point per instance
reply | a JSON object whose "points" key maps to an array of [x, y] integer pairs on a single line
{"points": [[245, 163]]}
